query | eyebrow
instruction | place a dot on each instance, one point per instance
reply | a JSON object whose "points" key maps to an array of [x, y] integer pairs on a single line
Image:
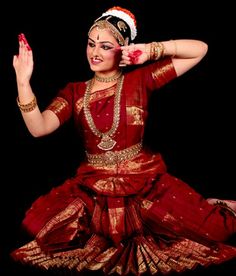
{"points": [[101, 41]]}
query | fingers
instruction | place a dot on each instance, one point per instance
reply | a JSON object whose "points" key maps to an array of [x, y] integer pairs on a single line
{"points": [[25, 52], [14, 59], [23, 62], [130, 55], [125, 57], [122, 64], [24, 48], [125, 61], [23, 42]]}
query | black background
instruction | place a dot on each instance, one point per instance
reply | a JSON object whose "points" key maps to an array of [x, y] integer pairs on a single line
{"points": [[192, 119]]}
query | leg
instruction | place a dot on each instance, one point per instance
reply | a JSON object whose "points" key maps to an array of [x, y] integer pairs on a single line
{"points": [[191, 210]]}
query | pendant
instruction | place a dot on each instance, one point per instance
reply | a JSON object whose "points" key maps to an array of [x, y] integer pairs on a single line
{"points": [[107, 143]]}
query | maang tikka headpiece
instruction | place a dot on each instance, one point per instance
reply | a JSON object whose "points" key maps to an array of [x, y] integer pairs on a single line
{"points": [[121, 22]]}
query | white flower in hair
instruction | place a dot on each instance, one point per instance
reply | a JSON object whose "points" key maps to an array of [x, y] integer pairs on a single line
{"points": [[126, 16]]}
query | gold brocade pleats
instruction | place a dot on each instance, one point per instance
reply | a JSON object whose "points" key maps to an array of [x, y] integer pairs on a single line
{"points": [[139, 255]]}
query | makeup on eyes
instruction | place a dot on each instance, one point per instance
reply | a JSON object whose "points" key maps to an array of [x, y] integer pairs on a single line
{"points": [[106, 45]]}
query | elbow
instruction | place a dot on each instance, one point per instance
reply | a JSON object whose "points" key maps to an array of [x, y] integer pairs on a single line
{"points": [[40, 132], [37, 133], [204, 49]]}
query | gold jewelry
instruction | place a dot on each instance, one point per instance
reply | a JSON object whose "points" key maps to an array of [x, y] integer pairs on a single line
{"points": [[27, 107], [105, 24], [156, 50], [108, 79], [106, 143], [175, 48], [114, 157]]}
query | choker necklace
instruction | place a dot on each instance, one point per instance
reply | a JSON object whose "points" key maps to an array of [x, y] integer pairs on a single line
{"points": [[106, 143], [108, 79]]}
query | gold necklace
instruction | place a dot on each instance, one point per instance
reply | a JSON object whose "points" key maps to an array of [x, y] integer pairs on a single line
{"points": [[106, 143], [108, 79]]}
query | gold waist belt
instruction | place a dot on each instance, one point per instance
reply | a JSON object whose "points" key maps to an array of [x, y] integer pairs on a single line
{"points": [[114, 157]]}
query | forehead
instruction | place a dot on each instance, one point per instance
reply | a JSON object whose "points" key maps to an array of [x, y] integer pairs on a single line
{"points": [[98, 34]]}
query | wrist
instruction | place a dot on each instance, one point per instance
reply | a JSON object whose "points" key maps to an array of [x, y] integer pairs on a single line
{"points": [[27, 106], [155, 50], [23, 83], [147, 50]]}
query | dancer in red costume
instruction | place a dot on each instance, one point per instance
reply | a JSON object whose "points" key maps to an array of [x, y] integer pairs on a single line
{"points": [[122, 212]]}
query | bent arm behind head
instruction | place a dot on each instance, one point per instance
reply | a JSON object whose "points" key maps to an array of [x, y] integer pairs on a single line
{"points": [[185, 53]]}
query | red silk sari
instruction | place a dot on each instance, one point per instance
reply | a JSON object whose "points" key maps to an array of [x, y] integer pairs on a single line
{"points": [[129, 217]]}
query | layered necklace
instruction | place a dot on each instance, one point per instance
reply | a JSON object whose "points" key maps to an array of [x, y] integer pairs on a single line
{"points": [[108, 79], [106, 143]]}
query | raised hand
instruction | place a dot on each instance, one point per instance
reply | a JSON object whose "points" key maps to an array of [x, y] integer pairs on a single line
{"points": [[23, 62]]}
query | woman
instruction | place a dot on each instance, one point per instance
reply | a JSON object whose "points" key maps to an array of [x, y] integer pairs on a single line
{"points": [[122, 212]]}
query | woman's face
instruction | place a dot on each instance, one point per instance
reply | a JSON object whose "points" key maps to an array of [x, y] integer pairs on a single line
{"points": [[103, 52]]}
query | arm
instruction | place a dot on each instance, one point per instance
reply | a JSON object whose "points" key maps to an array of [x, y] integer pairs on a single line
{"points": [[38, 123], [185, 53]]}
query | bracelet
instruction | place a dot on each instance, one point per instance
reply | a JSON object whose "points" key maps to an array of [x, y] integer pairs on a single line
{"points": [[175, 48], [27, 107], [156, 50]]}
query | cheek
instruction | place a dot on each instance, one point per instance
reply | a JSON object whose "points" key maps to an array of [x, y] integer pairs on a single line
{"points": [[109, 54], [89, 54], [88, 51], [113, 56]]}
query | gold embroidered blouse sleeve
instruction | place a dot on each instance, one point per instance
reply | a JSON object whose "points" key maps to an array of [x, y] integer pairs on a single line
{"points": [[61, 108]]}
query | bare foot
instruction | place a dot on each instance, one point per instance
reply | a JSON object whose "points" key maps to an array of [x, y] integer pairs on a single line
{"points": [[229, 204]]}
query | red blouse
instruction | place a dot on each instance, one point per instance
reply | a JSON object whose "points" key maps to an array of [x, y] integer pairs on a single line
{"points": [[137, 88]]}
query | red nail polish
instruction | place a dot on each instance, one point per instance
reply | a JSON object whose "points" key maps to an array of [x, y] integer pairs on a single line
{"points": [[19, 37], [23, 38]]}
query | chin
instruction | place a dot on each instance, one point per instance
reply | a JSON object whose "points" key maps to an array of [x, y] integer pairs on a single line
{"points": [[95, 68]]}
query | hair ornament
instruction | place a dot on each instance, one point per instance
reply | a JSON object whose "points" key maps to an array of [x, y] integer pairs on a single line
{"points": [[126, 16]]}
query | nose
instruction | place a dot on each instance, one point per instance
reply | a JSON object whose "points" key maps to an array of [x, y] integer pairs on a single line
{"points": [[96, 51]]}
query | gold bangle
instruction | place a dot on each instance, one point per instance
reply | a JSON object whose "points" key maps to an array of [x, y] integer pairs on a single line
{"points": [[156, 50], [175, 48], [27, 107]]}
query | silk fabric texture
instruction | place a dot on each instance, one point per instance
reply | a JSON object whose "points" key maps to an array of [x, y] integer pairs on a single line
{"points": [[131, 217]]}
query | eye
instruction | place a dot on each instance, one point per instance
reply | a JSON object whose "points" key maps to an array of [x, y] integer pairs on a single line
{"points": [[106, 47], [91, 44]]}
